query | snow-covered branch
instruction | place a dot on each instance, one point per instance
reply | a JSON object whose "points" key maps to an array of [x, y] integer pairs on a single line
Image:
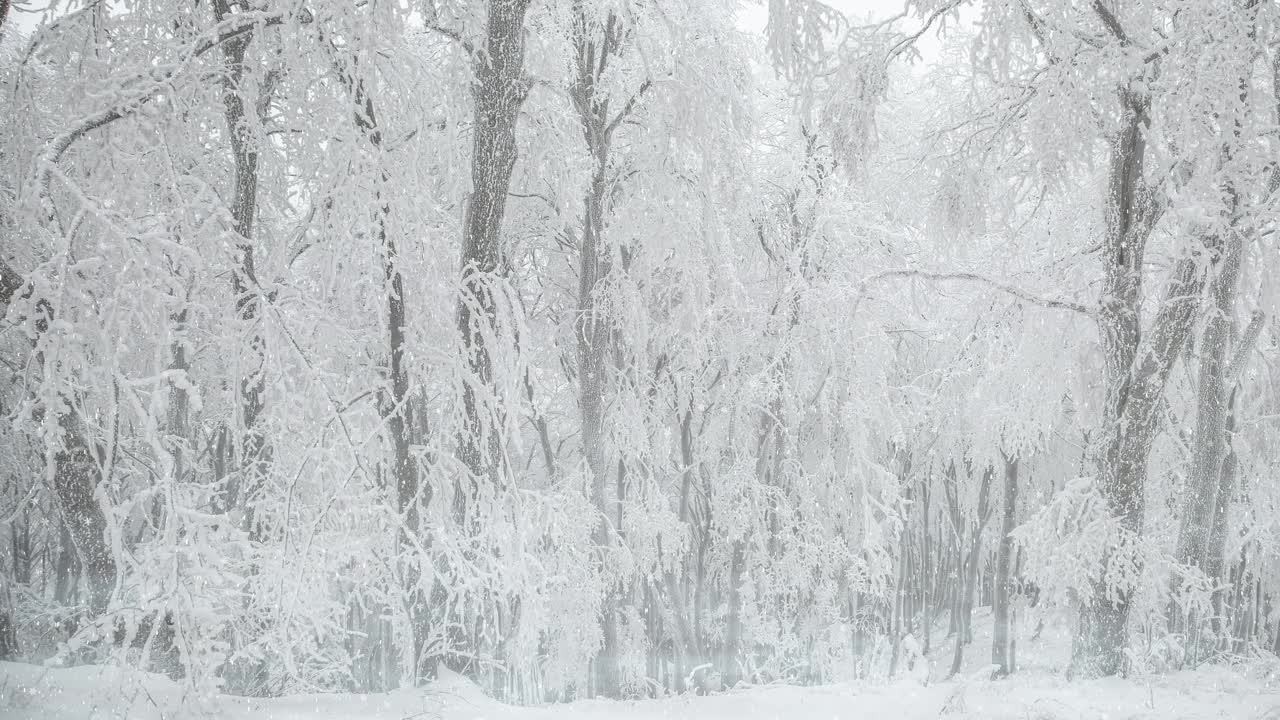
{"points": [[1015, 291]]}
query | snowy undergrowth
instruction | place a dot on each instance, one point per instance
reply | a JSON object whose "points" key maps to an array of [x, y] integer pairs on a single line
{"points": [[35, 693], [1039, 691]]}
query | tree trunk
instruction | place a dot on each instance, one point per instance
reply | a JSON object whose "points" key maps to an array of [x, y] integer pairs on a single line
{"points": [[1216, 543], [968, 568], [1211, 409], [498, 91], [255, 451], [250, 451], [177, 419], [927, 597], [686, 652], [1134, 380], [1217, 540], [596, 333], [729, 668], [964, 601], [8, 628], [896, 610], [410, 495], [76, 478], [76, 475], [1002, 633], [1136, 374]]}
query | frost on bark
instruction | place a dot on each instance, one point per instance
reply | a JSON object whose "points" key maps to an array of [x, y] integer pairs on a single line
{"points": [[76, 464], [77, 474], [594, 331], [1204, 496], [8, 631], [1136, 370], [498, 90], [10, 282], [967, 563], [249, 451], [411, 495], [254, 450], [1201, 534]]}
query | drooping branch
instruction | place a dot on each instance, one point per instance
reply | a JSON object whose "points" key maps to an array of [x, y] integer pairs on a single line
{"points": [[907, 41], [432, 23], [1020, 293], [229, 29]]}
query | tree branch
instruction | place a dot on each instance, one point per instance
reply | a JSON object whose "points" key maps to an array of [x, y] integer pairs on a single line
{"points": [[1110, 21], [453, 35], [220, 33], [626, 109], [1013, 290], [901, 46], [1244, 346]]}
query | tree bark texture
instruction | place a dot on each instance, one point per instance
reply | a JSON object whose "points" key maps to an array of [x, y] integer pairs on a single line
{"points": [[594, 330], [499, 89], [1136, 371], [255, 451]]}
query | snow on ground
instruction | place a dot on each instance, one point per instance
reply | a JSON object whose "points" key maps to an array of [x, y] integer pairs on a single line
{"points": [[1038, 692]]}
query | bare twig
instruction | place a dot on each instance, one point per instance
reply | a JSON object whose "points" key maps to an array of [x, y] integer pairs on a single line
{"points": [[218, 34], [906, 42]]}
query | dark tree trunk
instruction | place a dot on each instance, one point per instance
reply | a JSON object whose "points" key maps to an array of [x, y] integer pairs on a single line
{"points": [[77, 472], [1134, 380], [1211, 408], [177, 419], [686, 653], [596, 45], [410, 495], [1215, 551], [255, 452], [595, 338], [1002, 634], [10, 283], [76, 477], [249, 451], [729, 668], [498, 91], [896, 610], [968, 570], [1136, 370]]}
